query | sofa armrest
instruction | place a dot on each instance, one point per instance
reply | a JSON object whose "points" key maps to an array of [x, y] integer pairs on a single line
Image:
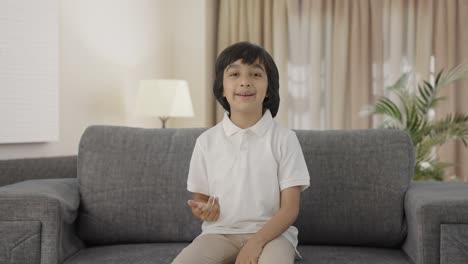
{"points": [[16, 170], [437, 217], [43, 211]]}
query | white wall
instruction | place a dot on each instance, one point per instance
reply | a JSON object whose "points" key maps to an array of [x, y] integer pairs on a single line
{"points": [[107, 46]]}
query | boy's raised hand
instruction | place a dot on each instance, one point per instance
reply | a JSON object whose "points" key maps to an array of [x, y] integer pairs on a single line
{"points": [[208, 211]]}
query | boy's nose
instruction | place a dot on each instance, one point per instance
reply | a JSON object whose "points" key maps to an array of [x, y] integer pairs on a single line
{"points": [[245, 82]]}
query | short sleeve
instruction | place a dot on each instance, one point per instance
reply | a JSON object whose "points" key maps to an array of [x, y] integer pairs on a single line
{"points": [[292, 166], [197, 181]]}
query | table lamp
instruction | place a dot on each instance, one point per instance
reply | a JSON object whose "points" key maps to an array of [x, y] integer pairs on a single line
{"points": [[164, 99]]}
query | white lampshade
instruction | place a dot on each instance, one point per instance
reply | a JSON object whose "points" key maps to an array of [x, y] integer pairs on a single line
{"points": [[170, 98]]}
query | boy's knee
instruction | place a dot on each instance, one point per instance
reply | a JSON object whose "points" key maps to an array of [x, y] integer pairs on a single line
{"points": [[277, 251], [207, 249], [276, 259]]}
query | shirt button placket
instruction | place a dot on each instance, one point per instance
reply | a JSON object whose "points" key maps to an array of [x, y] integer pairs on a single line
{"points": [[243, 151]]}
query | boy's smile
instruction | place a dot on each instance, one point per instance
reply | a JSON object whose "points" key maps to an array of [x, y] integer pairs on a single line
{"points": [[246, 96]]}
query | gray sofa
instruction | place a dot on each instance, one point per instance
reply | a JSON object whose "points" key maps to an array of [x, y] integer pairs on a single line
{"points": [[123, 200]]}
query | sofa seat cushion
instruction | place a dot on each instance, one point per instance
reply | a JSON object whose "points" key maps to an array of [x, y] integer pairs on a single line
{"points": [[164, 253], [351, 255], [129, 253]]}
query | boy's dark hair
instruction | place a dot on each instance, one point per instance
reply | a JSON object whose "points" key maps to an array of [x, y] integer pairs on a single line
{"points": [[248, 52]]}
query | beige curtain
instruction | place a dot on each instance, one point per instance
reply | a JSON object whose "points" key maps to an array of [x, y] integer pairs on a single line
{"points": [[344, 52], [330, 64], [263, 22], [450, 48]]}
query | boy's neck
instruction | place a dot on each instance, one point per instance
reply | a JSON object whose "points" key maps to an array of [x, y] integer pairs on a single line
{"points": [[245, 120]]}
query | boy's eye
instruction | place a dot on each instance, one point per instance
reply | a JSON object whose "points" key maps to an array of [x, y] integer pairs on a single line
{"points": [[234, 74], [257, 74]]}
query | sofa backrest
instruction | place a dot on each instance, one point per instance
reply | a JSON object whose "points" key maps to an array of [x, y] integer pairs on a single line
{"points": [[133, 186], [358, 181]]}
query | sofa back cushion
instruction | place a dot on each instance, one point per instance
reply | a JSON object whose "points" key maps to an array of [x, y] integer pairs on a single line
{"points": [[133, 186], [358, 181]]}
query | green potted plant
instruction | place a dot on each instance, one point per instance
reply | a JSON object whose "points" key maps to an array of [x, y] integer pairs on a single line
{"points": [[413, 111]]}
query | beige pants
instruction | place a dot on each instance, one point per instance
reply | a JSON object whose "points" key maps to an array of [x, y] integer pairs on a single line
{"points": [[223, 249]]}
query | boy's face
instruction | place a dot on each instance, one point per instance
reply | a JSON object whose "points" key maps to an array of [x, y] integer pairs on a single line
{"points": [[245, 86]]}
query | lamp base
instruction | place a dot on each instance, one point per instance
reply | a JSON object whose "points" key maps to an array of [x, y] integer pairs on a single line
{"points": [[163, 120]]}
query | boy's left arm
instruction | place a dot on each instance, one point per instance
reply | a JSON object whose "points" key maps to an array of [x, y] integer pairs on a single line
{"points": [[283, 219], [280, 222]]}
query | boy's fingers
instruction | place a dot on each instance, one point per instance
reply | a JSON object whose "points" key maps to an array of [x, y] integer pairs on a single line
{"points": [[207, 206], [192, 203], [215, 207], [206, 214], [196, 205], [213, 201], [214, 214], [211, 204]]}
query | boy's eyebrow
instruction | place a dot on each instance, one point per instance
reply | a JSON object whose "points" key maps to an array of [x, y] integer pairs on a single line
{"points": [[257, 65], [234, 65]]}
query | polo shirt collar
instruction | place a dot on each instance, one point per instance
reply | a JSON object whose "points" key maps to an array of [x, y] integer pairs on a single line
{"points": [[259, 128]]}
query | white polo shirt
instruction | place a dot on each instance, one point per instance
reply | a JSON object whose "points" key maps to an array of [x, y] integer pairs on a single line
{"points": [[247, 169]]}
